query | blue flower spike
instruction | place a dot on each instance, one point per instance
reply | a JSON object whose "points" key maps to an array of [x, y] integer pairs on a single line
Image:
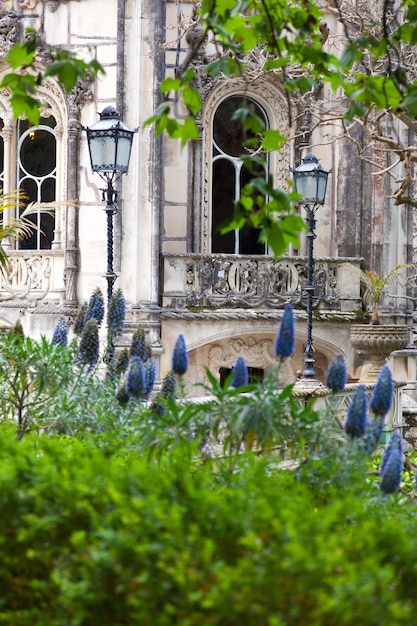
{"points": [[382, 395], [60, 336], [135, 379], [95, 307], [357, 415], [116, 313], [89, 348], [240, 373], [285, 340], [392, 465], [337, 374], [373, 434], [180, 357], [149, 370]]}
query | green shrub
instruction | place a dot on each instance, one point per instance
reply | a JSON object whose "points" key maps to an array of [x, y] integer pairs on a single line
{"points": [[90, 538]]}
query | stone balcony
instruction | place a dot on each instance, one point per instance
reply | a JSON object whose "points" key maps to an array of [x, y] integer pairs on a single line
{"points": [[33, 277], [222, 281]]}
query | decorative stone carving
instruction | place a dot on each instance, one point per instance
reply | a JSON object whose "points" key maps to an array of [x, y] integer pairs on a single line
{"points": [[257, 353], [10, 31], [51, 4], [375, 344], [79, 96], [224, 281], [28, 276], [28, 4]]}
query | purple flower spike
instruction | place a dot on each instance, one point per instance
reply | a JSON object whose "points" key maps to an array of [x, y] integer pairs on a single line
{"points": [[240, 373], [116, 313], [180, 357], [285, 341], [60, 336], [381, 399], [89, 348], [135, 380], [391, 476], [337, 374], [96, 306], [395, 442], [357, 416]]}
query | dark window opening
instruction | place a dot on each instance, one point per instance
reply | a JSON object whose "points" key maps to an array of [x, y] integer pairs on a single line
{"points": [[255, 374], [230, 174], [37, 179]]}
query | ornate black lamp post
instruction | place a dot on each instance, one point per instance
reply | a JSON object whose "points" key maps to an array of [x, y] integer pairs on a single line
{"points": [[110, 144], [310, 180]]}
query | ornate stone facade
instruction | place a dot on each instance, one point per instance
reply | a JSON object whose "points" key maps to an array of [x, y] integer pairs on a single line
{"points": [[223, 304]]}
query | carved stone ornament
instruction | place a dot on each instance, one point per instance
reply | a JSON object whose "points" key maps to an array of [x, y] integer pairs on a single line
{"points": [[10, 31], [31, 4], [224, 281], [257, 353], [375, 344], [28, 4], [80, 95], [28, 277]]}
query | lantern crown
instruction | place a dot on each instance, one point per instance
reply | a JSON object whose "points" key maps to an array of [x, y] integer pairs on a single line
{"points": [[109, 143], [310, 180]]}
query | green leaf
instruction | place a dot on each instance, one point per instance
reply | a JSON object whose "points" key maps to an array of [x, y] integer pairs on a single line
{"points": [[22, 54], [350, 56], [160, 114], [67, 71], [170, 84], [224, 66], [410, 102], [192, 99], [26, 106], [274, 64], [185, 131]]}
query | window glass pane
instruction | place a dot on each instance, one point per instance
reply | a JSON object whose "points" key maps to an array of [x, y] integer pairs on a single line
{"points": [[230, 175], [30, 190], [229, 134], [255, 374], [248, 237], [1, 160], [37, 177], [223, 194], [38, 153]]}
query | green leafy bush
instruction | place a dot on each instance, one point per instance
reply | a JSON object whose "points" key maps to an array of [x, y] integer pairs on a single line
{"points": [[87, 538]]}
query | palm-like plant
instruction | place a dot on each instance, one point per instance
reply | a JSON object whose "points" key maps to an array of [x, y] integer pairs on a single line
{"points": [[21, 227], [375, 287]]}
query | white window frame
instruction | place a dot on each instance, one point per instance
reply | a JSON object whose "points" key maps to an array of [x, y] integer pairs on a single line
{"points": [[272, 100]]}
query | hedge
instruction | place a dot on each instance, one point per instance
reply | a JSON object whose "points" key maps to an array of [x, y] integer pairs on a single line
{"points": [[89, 538]]}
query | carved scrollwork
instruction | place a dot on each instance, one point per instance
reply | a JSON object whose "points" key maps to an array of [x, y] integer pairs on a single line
{"points": [[27, 277], [28, 4], [259, 353], [226, 281], [10, 31], [80, 95], [31, 4]]}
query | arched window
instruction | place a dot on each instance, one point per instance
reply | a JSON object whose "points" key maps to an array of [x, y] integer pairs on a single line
{"points": [[36, 178], [230, 172], [1, 159]]}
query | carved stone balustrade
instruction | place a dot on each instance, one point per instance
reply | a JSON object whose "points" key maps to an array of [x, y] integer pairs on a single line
{"points": [[251, 282], [33, 276]]}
